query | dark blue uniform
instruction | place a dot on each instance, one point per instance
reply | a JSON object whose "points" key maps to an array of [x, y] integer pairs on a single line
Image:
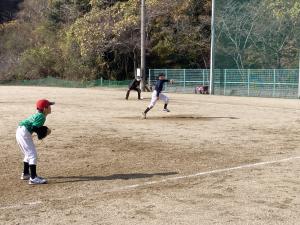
{"points": [[159, 86]]}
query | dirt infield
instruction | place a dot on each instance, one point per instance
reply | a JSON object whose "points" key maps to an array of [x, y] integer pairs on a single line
{"points": [[198, 164]]}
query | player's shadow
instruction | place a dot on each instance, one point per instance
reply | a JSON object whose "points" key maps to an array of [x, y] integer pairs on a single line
{"points": [[130, 176]]}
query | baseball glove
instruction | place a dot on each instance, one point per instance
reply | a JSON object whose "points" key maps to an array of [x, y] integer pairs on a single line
{"points": [[41, 132]]}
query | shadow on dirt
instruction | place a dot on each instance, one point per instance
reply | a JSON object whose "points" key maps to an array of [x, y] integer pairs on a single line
{"points": [[130, 176], [180, 117]]}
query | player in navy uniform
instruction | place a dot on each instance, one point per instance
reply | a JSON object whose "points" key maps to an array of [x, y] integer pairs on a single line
{"points": [[134, 85], [157, 94]]}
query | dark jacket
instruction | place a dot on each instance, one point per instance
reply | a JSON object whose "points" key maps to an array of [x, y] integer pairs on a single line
{"points": [[134, 84], [159, 86]]}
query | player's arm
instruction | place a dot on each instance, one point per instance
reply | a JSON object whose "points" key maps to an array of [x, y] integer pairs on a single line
{"points": [[169, 81]]}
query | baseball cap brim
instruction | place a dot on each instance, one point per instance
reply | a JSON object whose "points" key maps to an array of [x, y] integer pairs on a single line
{"points": [[51, 103]]}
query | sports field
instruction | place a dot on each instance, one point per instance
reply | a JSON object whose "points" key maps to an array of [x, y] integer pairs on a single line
{"points": [[211, 160]]}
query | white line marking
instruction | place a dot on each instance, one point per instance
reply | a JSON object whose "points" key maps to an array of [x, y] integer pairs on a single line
{"points": [[204, 173], [134, 186], [22, 205]]}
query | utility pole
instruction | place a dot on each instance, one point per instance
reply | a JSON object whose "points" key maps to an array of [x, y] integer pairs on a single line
{"points": [[212, 49], [143, 58]]}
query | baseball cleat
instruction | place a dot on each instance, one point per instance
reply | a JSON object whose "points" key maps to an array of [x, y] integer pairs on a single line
{"points": [[37, 180], [166, 110], [144, 115], [25, 176]]}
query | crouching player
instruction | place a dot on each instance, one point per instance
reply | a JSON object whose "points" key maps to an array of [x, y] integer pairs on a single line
{"points": [[25, 142], [157, 94], [134, 85]]}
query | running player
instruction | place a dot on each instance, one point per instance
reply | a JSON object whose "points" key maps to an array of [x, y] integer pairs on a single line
{"points": [[157, 94]]}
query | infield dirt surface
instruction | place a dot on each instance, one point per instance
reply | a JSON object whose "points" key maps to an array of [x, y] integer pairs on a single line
{"points": [[106, 165]]}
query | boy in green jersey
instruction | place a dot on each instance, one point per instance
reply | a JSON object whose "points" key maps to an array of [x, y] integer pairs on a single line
{"points": [[25, 142]]}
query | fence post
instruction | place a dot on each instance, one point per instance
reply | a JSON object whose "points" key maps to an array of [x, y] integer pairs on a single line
{"points": [[248, 72], [184, 79], [225, 80], [203, 83], [274, 82], [149, 80], [101, 81], [299, 77], [166, 73]]}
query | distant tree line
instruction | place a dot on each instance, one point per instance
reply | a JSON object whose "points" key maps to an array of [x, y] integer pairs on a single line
{"points": [[258, 34], [89, 39]]}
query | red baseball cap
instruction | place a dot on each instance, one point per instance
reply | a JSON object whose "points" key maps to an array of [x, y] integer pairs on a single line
{"points": [[43, 103]]}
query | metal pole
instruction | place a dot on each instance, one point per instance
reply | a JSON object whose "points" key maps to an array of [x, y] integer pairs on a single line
{"points": [[212, 45], [143, 58]]}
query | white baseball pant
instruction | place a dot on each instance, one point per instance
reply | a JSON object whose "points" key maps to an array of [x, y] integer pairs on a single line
{"points": [[25, 142], [154, 98]]}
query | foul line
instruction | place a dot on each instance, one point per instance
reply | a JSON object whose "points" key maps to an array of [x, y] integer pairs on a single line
{"points": [[130, 187], [204, 173]]}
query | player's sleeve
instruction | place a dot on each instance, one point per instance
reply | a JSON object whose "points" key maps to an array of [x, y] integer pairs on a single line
{"points": [[39, 120]]}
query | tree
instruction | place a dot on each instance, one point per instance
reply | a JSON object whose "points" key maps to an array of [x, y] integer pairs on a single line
{"points": [[253, 35], [88, 39]]}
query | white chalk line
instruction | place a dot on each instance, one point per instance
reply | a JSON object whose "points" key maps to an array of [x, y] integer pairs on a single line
{"points": [[134, 186], [22, 205], [204, 173]]}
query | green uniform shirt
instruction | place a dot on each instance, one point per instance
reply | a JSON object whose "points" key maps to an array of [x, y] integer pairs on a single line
{"points": [[36, 120]]}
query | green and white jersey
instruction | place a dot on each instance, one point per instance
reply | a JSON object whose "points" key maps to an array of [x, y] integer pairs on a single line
{"points": [[35, 120]]}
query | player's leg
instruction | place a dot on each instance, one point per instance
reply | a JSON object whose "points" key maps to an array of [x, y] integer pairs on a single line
{"points": [[25, 174], [25, 141], [165, 98], [139, 93], [151, 105], [127, 94]]}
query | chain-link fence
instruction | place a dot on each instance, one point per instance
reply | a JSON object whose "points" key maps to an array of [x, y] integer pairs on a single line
{"points": [[54, 82], [186, 79], [249, 82]]}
